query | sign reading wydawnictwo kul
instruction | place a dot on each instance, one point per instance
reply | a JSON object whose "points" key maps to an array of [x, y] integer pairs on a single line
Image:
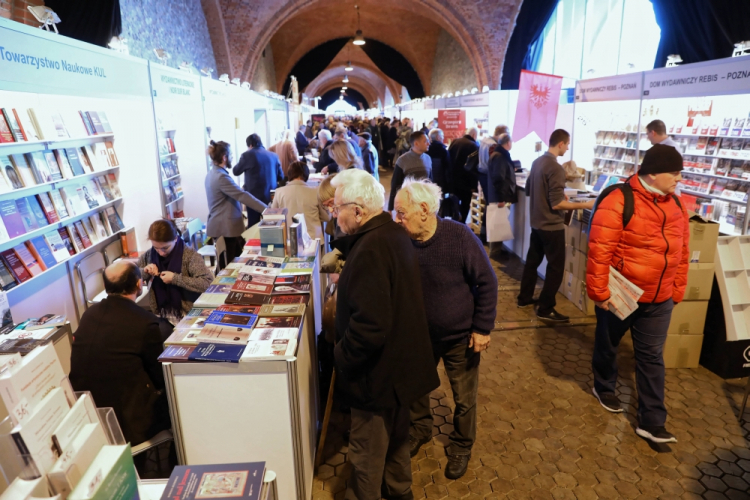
{"points": [[32, 60], [610, 88], [719, 77]]}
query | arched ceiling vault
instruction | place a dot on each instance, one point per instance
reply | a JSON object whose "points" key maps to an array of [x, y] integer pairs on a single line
{"points": [[293, 27]]}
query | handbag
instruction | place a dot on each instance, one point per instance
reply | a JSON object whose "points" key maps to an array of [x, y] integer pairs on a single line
{"points": [[472, 162], [498, 223]]}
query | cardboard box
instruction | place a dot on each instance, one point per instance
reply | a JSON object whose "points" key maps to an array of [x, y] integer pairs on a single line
{"points": [[584, 242], [573, 234], [583, 261], [699, 282], [703, 237], [573, 288], [688, 318], [572, 258], [567, 283], [584, 303], [682, 351]]}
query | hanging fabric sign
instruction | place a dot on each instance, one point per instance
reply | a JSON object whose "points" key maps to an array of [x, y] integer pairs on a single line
{"points": [[538, 98], [452, 122]]}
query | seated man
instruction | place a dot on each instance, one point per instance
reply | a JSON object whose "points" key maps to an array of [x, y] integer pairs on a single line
{"points": [[114, 356]]}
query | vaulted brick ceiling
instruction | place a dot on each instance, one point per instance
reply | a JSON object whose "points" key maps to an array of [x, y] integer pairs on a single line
{"points": [[241, 29]]}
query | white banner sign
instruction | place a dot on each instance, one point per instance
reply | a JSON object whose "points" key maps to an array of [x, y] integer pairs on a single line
{"points": [[615, 88], [429, 104], [473, 100], [32, 60], [170, 83], [452, 102], [723, 76], [439, 103]]}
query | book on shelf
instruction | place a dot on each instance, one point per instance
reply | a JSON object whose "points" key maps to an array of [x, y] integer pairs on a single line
{"points": [[112, 155], [83, 236], [176, 353], [102, 157], [12, 218], [90, 231], [128, 240], [60, 130], [11, 173], [110, 476], [23, 169], [27, 217], [37, 211], [15, 128], [59, 204], [87, 123], [42, 132], [5, 185], [88, 152], [94, 191], [27, 259], [41, 252], [114, 186], [96, 123], [238, 481], [39, 167], [101, 181], [77, 457], [81, 413], [74, 203], [32, 437], [4, 236], [48, 207], [74, 161], [16, 267], [7, 281], [96, 222], [6, 135], [63, 163], [105, 122], [217, 352], [67, 238], [53, 167], [29, 130]]}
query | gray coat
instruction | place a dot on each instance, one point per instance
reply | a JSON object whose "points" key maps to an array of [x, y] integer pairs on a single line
{"points": [[224, 209]]}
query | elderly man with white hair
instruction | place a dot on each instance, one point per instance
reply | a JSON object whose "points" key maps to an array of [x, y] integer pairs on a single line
{"points": [[382, 354], [460, 294], [324, 158], [441, 160]]}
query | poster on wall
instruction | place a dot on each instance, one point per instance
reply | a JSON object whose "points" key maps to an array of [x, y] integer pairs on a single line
{"points": [[538, 99], [452, 122]]}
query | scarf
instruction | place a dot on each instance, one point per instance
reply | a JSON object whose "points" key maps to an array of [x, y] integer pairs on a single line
{"points": [[650, 189], [168, 297]]}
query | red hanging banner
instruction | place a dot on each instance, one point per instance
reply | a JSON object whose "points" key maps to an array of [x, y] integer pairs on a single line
{"points": [[452, 122], [538, 98]]}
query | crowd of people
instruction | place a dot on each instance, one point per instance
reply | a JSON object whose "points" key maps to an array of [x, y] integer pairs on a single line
{"points": [[414, 287]]}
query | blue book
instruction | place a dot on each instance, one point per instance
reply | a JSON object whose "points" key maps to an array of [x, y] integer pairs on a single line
{"points": [[44, 251], [217, 352], [12, 218], [227, 481], [28, 218], [241, 320], [36, 209], [600, 181]]}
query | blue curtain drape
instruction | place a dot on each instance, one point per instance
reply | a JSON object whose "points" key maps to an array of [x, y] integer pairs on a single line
{"points": [[522, 52], [700, 30]]}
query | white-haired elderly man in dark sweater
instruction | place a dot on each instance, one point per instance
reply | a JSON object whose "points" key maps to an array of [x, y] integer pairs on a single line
{"points": [[460, 298]]}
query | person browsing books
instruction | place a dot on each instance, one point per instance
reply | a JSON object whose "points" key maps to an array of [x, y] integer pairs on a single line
{"points": [[656, 132], [114, 356], [651, 251], [299, 198], [460, 297], [177, 273], [224, 198]]}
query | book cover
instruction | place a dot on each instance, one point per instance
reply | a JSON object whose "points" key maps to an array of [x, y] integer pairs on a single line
{"points": [[249, 286], [176, 353], [87, 123], [289, 299], [113, 185], [82, 234], [291, 288], [101, 181], [48, 207], [66, 473], [114, 219], [87, 167], [62, 162], [183, 337], [95, 122], [15, 128], [26, 135], [247, 299], [12, 218], [105, 122], [33, 436], [111, 153], [96, 223], [42, 252], [226, 318], [69, 239], [105, 223], [102, 157], [75, 162], [57, 246], [29, 129], [81, 413], [5, 133], [111, 476], [5, 184], [224, 334], [279, 322], [59, 124], [52, 166], [27, 218], [59, 204], [7, 281], [282, 310], [28, 260], [15, 265], [258, 350], [4, 236], [9, 169], [74, 203], [236, 309], [90, 231], [191, 323], [95, 191], [210, 300], [23, 169], [37, 211], [210, 351], [200, 312], [90, 155], [38, 125], [39, 167], [302, 279], [191, 482], [255, 278]]}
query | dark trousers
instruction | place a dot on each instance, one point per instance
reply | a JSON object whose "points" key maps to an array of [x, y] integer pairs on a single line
{"points": [[234, 244], [483, 183], [465, 197], [253, 217], [648, 327], [550, 244], [462, 366], [379, 454]]}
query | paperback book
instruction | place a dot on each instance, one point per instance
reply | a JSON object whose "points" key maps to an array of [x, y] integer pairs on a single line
{"points": [[217, 352], [239, 480]]}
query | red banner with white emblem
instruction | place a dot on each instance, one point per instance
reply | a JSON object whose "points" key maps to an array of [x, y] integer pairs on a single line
{"points": [[538, 98]]}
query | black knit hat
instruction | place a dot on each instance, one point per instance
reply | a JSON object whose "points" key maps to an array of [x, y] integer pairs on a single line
{"points": [[661, 159]]}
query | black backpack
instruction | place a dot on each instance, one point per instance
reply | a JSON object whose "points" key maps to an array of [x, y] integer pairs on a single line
{"points": [[629, 208]]}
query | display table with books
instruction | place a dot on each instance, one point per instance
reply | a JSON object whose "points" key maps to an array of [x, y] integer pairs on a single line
{"points": [[261, 402]]}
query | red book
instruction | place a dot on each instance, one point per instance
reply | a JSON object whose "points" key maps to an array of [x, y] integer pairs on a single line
{"points": [[289, 299], [20, 126], [249, 286], [28, 260], [82, 234], [239, 309], [49, 209], [67, 239], [5, 134], [16, 267]]}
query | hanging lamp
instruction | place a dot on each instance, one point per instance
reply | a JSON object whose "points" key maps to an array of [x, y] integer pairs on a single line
{"points": [[359, 39]]}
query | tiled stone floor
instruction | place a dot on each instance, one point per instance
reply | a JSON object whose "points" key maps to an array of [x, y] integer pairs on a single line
{"points": [[541, 434]]}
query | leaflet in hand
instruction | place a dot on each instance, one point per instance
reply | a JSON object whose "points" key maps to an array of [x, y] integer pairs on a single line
{"points": [[623, 295]]}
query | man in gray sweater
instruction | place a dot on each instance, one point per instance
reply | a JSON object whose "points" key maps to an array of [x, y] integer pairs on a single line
{"points": [[414, 163]]}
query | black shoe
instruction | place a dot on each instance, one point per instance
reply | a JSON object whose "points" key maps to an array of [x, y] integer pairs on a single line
{"points": [[609, 401], [552, 317], [523, 305], [655, 434], [457, 465], [415, 444]]}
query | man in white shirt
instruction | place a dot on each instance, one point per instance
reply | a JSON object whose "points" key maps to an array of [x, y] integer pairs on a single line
{"points": [[656, 132]]}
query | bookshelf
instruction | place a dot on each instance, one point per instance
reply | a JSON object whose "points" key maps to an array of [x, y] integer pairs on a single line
{"points": [[169, 171], [51, 186]]}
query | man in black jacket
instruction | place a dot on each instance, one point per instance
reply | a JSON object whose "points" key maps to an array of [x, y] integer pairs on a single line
{"points": [[442, 169], [115, 355], [301, 141], [464, 182], [262, 169], [383, 355]]}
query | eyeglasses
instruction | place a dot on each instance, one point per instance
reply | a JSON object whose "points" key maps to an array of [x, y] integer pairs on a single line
{"points": [[336, 209]]}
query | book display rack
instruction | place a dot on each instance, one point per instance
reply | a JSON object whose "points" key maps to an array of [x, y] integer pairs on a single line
{"points": [[733, 277], [170, 173]]}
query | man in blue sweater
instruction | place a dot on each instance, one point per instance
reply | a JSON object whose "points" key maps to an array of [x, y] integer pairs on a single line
{"points": [[460, 298]]}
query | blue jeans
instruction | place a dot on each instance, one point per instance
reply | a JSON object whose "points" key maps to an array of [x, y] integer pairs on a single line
{"points": [[648, 327]]}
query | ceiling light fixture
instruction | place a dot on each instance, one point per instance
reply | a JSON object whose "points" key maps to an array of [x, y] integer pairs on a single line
{"points": [[342, 91], [349, 66], [344, 87], [346, 79], [359, 39]]}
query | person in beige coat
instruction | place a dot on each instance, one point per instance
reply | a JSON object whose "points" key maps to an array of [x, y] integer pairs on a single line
{"points": [[297, 197]]}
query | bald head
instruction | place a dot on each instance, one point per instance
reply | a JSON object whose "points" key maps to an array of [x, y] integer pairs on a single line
{"points": [[122, 278]]}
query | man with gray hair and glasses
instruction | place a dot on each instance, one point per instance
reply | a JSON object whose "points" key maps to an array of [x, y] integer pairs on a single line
{"points": [[382, 354], [460, 298]]}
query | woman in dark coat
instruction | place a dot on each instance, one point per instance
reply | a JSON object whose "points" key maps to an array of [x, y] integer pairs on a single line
{"points": [[502, 173]]}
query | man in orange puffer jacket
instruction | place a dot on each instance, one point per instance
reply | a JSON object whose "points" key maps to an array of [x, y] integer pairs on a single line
{"points": [[651, 252]]}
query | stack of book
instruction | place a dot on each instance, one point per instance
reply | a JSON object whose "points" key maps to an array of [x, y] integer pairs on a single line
{"points": [[252, 311], [60, 439]]}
